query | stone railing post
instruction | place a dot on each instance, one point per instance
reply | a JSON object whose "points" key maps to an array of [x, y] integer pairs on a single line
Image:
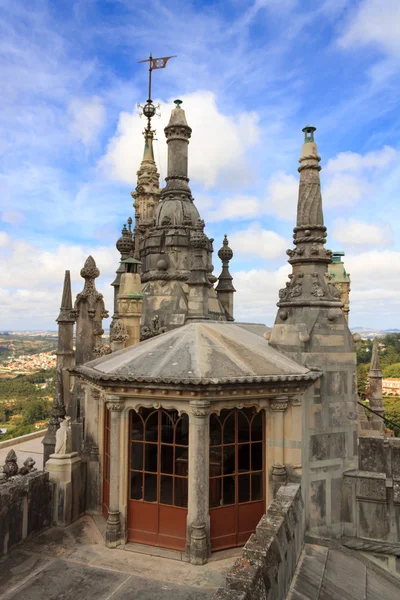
{"points": [[278, 474], [198, 519], [113, 530]]}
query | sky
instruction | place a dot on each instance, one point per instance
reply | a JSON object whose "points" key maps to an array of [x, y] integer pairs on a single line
{"points": [[251, 74]]}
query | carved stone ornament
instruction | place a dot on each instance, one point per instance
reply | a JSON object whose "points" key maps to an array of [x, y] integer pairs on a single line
{"points": [[317, 290], [10, 466], [28, 467], [295, 291], [118, 332], [64, 438], [115, 406], [278, 406]]}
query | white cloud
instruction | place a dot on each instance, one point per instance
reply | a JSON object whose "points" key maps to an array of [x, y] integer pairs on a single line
{"points": [[87, 119], [351, 176], [31, 280], [237, 207], [257, 293], [375, 277], [281, 198], [359, 233], [12, 217], [217, 149], [374, 22], [256, 241], [4, 239], [354, 162]]}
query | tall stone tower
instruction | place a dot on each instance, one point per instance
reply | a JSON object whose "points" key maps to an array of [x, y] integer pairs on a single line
{"points": [[147, 193], [167, 248], [311, 328], [338, 275]]}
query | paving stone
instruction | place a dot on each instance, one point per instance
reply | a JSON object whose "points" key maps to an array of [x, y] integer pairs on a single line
{"points": [[380, 589], [67, 581], [344, 578], [310, 571], [138, 588], [19, 566]]}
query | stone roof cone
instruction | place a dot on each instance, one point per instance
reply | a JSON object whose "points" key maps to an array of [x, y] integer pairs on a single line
{"points": [[66, 301]]}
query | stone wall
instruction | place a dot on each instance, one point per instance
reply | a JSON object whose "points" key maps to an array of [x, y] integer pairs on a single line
{"points": [[268, 562], [371, 497], [25, 507]]}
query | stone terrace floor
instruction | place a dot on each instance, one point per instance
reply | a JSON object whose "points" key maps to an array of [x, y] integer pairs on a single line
{"points": [[326, 574], [74, 563]]}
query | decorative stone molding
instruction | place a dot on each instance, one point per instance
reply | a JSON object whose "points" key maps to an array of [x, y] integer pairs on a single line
{"points": [[115, 406], [278, 405]]}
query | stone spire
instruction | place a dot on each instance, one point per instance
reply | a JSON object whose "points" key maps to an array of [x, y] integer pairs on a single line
{"points": [[225, 289], [89, 312], [147, 193], [308, 284], [311, 328], [65, 360], [375, 390]]}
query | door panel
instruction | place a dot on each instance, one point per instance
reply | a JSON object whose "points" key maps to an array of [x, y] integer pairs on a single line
{"points": [[237, 477], [158, 472]]}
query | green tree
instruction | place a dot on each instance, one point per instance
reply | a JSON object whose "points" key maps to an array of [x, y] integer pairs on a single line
{"points": [[392, 412], [392, 370], [36, 410], [362, 380]]}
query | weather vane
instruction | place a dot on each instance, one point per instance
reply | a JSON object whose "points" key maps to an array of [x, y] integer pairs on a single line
{"points": [[149, 110]]}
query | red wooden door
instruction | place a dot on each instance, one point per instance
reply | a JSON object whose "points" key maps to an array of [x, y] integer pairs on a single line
{"points": [[158, 478], [237, 476]]}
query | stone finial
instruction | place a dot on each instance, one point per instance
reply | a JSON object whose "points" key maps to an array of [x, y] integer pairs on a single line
{"points": [[124, 243], [28, 467], [10, 466], [225, 279], [375, 367], [90, 272], [225, 253], [66, 301], [225, 289]]}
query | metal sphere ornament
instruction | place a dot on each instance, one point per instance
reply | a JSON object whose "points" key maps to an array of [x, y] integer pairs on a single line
{"points": [[149, 110]]}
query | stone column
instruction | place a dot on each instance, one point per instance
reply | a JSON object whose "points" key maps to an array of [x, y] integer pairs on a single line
{"points": [[91, 451], [113, 530], [278, 474], [65, 472], [198, 519]]}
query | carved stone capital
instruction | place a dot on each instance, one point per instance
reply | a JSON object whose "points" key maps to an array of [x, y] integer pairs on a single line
{"points": [[115, 404], [279, 404], [199, 408]]}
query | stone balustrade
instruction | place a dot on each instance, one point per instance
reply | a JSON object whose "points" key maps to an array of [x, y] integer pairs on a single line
{"points": [[269, 558], [25, 502]]}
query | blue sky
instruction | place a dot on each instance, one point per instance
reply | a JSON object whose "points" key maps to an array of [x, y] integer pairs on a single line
{"points": [[251, 73]]}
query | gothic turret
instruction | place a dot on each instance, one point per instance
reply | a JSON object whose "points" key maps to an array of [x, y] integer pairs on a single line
{"points": [[225, 289], [311, 328], [65, 360], [166, 250], [147, 193]]}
